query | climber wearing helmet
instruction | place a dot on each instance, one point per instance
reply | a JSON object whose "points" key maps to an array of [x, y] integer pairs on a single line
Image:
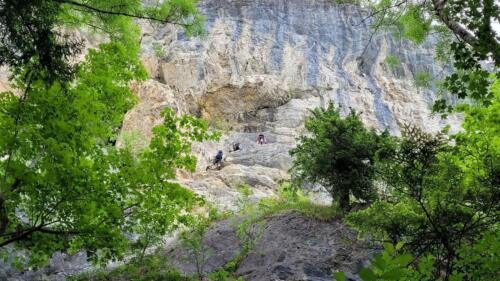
{"points": [[261, 139]]}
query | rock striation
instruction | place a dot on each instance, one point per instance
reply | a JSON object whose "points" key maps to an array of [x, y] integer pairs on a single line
{"points": [[259, 55], [261, 66]]}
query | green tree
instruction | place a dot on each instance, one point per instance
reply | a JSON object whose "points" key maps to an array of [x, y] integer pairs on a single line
{"points": [[468, 37], [64, 185], [337, 153], [441, 194], [442, 198], [33, 31]]}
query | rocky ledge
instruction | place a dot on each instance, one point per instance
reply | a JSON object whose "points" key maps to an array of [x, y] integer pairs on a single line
{"points": [[287, 246]]}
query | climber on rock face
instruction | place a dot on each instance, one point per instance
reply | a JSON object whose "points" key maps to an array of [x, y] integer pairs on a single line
{"points": [[217, 162], [261, 139], [218, 157], [236, 147]]}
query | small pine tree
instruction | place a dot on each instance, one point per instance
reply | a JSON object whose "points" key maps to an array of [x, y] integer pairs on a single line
{"points": [[337, 153]]}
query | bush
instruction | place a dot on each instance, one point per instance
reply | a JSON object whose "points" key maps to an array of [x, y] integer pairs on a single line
{"points": [[423, 79], [151, 268], [435, 204], [222, 275], [392, 62], [289, 198], [479, 262], [337, 153], [391, 264], [159, 50]]}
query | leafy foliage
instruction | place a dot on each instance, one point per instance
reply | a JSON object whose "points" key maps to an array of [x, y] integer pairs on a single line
{"points": [[337, 153], [223, 275], [290, 199], [192, 240], [32, 35], [442, 199], [64, 184], [150, 269], [159, 50], [248, 230], [479, 261], [414, 25], [467, 40], [392, 62], [70, 183], [29, 39], [391, 264]]}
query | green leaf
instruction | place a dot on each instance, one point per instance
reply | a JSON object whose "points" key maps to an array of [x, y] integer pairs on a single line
{"points": [[379, 262], [394, 274], [339, 276], [389, 248], [367, 275], [403, 260]]}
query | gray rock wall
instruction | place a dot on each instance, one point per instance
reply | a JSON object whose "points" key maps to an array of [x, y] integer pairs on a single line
{"points": [[287, 246], [261, 54], [262, 65]]}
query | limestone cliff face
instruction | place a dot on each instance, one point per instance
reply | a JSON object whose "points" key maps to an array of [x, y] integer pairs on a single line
{"points": [[263, 64], [260, 55]]}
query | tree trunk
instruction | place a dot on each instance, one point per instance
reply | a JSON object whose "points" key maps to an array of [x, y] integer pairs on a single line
{"points": [[455, 27], [4, 219], [344, 200]]}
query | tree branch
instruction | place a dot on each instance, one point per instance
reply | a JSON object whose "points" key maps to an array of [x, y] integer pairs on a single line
{"points": [[24, 233], [89, 8], [4, 218], [383, 10], [455, 27], [19, 236]]}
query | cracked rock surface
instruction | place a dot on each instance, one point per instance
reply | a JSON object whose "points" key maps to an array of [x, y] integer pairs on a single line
{"points": [[291, 247]]}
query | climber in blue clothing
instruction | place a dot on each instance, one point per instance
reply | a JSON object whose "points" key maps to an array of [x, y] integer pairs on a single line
{"points": [[217, 162], [218, 157]]}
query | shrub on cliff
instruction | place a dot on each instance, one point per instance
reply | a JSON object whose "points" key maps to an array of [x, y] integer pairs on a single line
{"points": [[337, 153]]}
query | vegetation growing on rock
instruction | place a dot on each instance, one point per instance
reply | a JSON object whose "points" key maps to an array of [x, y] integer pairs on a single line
{"points": [[249, 231], [339, 154]]}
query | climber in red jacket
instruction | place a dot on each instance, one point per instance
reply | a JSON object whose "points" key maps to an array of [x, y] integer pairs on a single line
{"points": [[261, 139]]}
